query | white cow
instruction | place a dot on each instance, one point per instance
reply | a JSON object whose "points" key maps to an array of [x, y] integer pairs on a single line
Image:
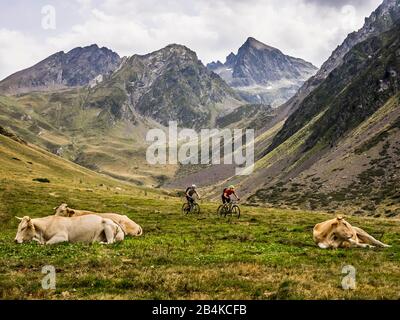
{"points": [[338, 233], [130, 227], [55, 229]]}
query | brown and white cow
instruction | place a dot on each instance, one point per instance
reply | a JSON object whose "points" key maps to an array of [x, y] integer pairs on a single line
{"points": [[55, 229], [129, 227], [338, 233]]}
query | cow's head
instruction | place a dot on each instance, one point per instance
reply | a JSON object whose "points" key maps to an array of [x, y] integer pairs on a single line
{"points": [[342, 230], [132, 229], [63, 211], [26, 230]]}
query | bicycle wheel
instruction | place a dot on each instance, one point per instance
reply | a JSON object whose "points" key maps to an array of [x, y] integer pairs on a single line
{"points": [[196, 209], [236, 211], [221, 210], [185, 208], [228, 210]]}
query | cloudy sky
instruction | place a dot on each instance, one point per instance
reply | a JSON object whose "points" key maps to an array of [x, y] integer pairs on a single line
{"points": [[309, 29]]}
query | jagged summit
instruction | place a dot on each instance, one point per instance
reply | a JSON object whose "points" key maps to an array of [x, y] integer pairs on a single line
{"points": [[172, 84], [263, 74], [254, 43]]}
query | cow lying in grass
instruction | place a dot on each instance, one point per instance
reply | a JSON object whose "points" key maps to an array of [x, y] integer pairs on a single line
{"points": [[54, 229], [338, 233], [129, 227]]}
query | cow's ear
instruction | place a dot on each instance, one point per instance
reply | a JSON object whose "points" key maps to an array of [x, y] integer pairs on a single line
{"points": [[30, 222], [70, 212]]}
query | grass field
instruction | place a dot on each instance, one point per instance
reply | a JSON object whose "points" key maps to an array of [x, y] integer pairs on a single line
{"points": [[266, 254]]}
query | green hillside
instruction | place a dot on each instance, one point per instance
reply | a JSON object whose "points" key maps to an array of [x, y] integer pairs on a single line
{"points": [[63, 123], [351, 93]]}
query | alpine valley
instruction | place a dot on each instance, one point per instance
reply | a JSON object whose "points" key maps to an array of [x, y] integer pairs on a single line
{"points": [[326, 138]]}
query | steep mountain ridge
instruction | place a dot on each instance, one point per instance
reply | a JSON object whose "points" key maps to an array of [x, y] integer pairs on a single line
{"points": [[170, 84], [263, 74], [257, 63], [365, 70], [78, 67], [344, 137], [380, 20]]}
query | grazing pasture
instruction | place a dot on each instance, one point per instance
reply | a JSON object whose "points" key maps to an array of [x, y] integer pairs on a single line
{"points": [[266, 254]]}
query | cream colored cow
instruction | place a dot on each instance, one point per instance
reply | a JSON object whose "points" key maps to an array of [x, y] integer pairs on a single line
{"points": [[129, 227], [338, 233], [55, 229]]}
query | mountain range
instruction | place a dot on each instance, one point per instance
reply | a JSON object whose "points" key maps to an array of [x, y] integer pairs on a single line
{"points": [[170, 84], [103, 125]]}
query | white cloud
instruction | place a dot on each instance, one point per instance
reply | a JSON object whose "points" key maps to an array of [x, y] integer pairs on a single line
{"points": [[302, 28], [17, 51]]}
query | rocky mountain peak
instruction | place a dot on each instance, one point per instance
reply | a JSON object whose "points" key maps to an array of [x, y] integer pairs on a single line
{"points": [[263, 74], [177, 49], [215, 65], [257, 45], [77, 67], [169, 84], [230, 59]]}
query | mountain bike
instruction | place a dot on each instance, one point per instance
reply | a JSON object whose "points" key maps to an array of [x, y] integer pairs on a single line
{"points": [[190, 208], [229, 209]]}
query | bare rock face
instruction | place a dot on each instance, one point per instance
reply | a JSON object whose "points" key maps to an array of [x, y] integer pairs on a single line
{"points": [[76, 68], [170, 84], [263, 74], [257, 63]]}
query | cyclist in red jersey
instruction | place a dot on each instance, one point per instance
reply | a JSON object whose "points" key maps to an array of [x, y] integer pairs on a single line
{"points": [[226, 194]]}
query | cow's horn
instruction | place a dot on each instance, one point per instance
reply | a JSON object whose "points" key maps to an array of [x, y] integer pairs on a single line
{"points": [[19, 218]]}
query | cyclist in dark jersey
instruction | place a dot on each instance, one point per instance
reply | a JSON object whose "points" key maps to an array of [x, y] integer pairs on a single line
{"points": [[190, 191], [226, 194]]}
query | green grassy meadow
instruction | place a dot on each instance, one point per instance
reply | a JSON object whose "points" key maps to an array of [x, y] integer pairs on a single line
{"points": [[266, 254]]}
